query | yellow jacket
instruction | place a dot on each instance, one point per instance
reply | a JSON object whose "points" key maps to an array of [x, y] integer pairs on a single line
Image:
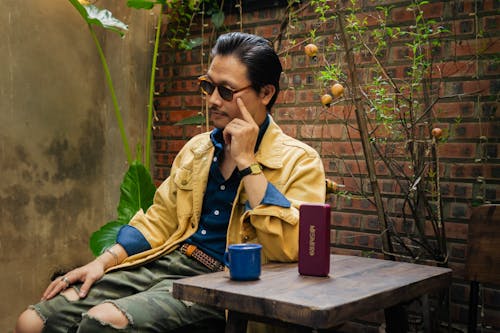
{"points": [[293, 167]]}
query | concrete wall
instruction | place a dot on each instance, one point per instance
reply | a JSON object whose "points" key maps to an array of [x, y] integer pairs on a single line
{"points": [[61, 157]]}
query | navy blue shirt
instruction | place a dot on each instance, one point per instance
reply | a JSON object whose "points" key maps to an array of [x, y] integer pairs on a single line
{"points": [[210, 236]]}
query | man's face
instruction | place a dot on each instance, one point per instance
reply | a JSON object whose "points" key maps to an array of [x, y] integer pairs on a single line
{"points": [[229, 72]]}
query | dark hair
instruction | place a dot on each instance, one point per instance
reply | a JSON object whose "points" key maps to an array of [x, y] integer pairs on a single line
{"points": [[257, 53]]}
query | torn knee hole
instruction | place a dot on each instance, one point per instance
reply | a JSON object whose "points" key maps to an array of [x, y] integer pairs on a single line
{"points": [[70, 295], [111, 314], [89, 321]]}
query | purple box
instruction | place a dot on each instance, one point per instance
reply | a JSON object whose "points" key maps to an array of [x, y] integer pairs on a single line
{"points": [[314, 239]]}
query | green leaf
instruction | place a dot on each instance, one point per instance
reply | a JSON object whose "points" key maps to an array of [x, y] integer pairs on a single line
{"points": [[194, 42], [195, 120], [104, 237], [80, 8], [101, 17], [145, 4], [137, 192], [140, 4], [218, 19], [105, 19]]}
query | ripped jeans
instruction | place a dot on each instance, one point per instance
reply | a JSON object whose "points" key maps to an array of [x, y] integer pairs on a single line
{"points": [[143, 294]]}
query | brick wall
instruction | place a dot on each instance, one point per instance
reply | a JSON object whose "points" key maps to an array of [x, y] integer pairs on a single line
{"points": [[466, 69]]}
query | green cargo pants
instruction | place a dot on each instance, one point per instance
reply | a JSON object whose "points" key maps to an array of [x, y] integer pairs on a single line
{"points": [[143, 294]]}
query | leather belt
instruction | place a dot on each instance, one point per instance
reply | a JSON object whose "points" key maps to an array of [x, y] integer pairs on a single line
{"points": [[194, 252]]}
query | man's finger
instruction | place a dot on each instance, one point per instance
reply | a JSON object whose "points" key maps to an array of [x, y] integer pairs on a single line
{"points": [[245, 115], [84, 289]]}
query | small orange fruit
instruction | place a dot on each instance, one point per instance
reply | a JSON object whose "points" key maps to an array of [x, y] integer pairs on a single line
{"points": [[311, 50], [437, 132], [337, 90], [326, 100]]}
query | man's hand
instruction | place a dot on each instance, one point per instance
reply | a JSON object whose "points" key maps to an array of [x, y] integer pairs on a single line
{"points": [[87, 274], [240, 136]]}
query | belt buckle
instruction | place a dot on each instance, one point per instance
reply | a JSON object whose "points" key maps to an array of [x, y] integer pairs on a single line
{"points": [[190, 248]]}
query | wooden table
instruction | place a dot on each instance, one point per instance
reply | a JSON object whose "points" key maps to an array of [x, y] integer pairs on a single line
{"points": [[356, 286]]}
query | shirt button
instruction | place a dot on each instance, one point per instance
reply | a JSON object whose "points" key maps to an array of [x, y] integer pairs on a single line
{"points": [[216, 212], [245, 238], [222, 187], [215, 159], [203, 232]]}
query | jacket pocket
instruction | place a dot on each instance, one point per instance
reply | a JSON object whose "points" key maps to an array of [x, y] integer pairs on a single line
{"points": [[183, 179]]}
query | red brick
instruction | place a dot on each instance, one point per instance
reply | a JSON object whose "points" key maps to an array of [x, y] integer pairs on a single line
{"points": [[323, 131], [457, 210], [474, 47], [400, 53], [462, 27], [354, 167], [356, 203], [268, 31], [358, 239], [491, 23], [176, 145], [342, 148], [346, 220], [286, 61], [284, 112], [160, 116], [286, 97], [455, 69], [399, 15], [469, 170], [192, 100], [474, 131], [167, 131], [453, 230], [454, 110], [175, 116], [290, 130], [457, 150], [161, 159]]}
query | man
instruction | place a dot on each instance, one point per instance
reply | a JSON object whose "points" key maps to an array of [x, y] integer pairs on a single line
{"points": [[242, 182]]}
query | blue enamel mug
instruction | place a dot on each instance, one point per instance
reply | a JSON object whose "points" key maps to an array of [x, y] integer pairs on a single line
{"points": [[243, 261]]}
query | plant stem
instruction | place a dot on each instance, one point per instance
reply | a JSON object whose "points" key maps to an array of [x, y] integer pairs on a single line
{"points": [[113, 95], [151, 90]]}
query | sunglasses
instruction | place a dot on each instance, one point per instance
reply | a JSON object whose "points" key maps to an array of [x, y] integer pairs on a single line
{"points": [[207, 88]]}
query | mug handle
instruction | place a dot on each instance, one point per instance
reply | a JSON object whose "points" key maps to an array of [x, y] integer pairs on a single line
{"points": [[226, 259]]}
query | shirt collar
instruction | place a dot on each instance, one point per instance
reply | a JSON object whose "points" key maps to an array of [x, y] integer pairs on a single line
{"points": [[218, 140]]}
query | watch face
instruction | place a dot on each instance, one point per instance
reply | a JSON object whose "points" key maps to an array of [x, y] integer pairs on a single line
{"points": [[255, 168]]}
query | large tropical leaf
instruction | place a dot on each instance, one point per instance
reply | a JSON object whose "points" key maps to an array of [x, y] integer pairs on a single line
{"points": [[104, 237], [136, 192], [101, 17]]}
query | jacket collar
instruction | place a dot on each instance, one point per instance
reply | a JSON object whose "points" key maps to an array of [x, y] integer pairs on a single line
{"points": [[270, 152]]}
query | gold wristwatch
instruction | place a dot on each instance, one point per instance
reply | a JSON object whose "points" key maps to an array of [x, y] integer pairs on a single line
{"points": [[253, 169]]}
